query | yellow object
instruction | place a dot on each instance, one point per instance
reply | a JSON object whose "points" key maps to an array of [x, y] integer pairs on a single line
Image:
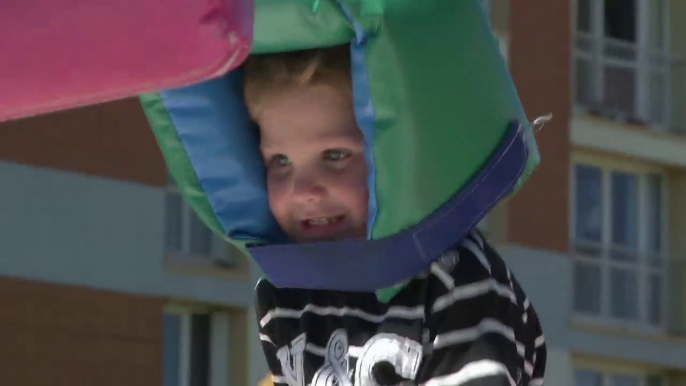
{"points": [[266, 381]]}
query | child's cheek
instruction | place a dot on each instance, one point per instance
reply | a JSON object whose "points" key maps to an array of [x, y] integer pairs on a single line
{"points": [[276, 188], [360, 171], [353, 181], [276, 178]]}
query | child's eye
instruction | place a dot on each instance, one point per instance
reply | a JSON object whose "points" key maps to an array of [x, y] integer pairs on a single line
{"points": [[336, 154], [280, 160]]}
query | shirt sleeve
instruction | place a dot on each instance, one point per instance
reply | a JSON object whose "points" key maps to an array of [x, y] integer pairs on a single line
{"points": [[481, 328], [269, 337]]}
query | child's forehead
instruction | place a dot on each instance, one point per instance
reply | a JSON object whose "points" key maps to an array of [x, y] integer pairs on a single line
{"points": [[308, 114], [311, 136]]}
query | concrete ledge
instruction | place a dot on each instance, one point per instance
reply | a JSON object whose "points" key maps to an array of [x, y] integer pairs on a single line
{"points": [[631, 140], [546, 277], [81, 230], [664, 353]]}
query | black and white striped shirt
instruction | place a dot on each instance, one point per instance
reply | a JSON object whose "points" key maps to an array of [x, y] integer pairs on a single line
{"points": [[465, 322]]}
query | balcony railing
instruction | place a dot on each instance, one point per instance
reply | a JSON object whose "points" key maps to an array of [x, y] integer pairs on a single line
{"points": [[619, 80]]}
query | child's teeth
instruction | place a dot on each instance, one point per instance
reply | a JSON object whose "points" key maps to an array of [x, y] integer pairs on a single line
{"points": [[322, 221]]}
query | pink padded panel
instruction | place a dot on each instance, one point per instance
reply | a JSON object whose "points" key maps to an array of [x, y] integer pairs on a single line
{"points": [[59, 54]]}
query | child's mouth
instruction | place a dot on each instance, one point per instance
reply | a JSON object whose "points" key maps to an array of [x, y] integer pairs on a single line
{"points": [[323, 226], [322, 221]]}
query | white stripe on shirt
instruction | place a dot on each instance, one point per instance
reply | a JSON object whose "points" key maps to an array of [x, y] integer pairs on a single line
{"points": [[478, 239], [464, 335], [509, 279], [393, 312], [472, 290], [473, 333], [443, 276], [353, 351], [469, 244], [266, 338], [471, 371]]}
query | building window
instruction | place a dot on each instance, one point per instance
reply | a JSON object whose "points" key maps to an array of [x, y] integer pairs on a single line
{"points": [[622, 60], [619, 242], [591, 377], [194, 343], [187, 237]]}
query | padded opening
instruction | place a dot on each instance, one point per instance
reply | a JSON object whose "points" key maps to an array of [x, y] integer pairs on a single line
{"points": [[383, 263], [211, 127], [222, 145], [428, 157]]}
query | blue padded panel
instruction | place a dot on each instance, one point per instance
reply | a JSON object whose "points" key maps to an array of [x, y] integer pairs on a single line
{"points": [[364, 111], [223, 146]]}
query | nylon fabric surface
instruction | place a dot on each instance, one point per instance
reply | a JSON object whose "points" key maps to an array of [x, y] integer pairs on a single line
{"points": [[465, 115], [296, 24], [432, 96], [213, 124], [177, 160]]}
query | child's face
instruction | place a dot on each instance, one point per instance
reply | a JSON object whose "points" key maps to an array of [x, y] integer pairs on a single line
{"points": [[316, 170]]}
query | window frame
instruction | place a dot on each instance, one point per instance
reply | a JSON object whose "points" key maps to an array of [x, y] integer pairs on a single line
{"points": [[226, 259], [219, 344], [641, 266], [641, 64]]}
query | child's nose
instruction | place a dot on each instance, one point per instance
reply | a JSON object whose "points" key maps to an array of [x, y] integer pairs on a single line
{"points": [[308, 188]]}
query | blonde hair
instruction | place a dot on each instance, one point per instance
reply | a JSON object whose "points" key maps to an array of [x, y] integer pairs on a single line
{"points": [[265, 73]]}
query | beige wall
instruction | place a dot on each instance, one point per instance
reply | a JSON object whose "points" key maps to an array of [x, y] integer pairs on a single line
{"points": [[559, 370], [677, 246], [678, 27], [238, 338], [678, 47], [677, 379]]}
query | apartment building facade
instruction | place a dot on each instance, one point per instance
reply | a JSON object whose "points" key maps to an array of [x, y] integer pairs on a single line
{"points": [[597, 235], [107, 277]]}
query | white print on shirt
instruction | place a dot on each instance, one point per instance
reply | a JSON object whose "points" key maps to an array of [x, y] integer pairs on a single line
{"points": [[292, 361], [404, 354], [335, 370]]}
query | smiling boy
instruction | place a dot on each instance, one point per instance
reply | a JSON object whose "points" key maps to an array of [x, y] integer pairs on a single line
{"points": [[466, 321]]}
